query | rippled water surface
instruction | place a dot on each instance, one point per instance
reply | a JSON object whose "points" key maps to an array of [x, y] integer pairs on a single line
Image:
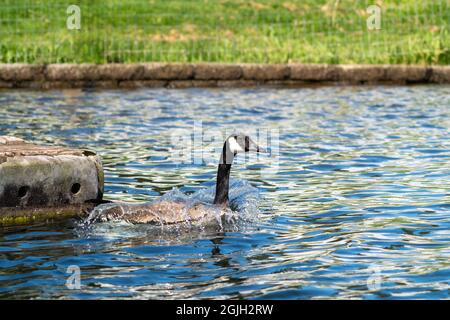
{"points": [[355, 203]]}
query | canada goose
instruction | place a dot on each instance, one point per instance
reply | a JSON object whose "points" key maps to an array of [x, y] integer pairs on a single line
{"points": [[170, 212]]}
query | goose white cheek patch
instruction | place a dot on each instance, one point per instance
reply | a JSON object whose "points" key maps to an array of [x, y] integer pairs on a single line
{"points": [[234, 145]]}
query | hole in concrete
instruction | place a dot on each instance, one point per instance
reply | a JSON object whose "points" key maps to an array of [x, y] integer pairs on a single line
{"points": [[75, 188], [23, 191]]}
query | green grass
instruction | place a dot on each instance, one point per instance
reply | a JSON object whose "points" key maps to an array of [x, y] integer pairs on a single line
{"points": [[260, 31]]}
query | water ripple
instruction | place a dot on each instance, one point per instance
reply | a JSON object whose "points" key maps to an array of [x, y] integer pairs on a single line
{"points": [[356, 204]]}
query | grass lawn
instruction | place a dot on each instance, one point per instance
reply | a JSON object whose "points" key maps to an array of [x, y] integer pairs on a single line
{"points": [[260, 31]]}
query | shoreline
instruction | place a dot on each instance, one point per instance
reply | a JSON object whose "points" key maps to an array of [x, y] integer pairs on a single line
{"points": [[183, 75]]}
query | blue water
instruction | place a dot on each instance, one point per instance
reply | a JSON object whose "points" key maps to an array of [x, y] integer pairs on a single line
{"points": [[354, 202]]}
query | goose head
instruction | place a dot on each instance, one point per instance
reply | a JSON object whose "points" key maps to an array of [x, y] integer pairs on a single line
{"points": [[238, 143], [234, 144]]}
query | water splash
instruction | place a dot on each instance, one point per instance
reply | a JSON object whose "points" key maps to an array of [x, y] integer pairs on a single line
{"points": [[244, 203]]}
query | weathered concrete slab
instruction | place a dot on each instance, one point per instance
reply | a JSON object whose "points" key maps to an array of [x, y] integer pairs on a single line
{"points": [[214, 71], [36, 178], [265, 72], [183, 75], [408, 74], [167, 71], [313, 72], [71, 72], [361, 73], [19, 216], [22, 72], [440, 74]]}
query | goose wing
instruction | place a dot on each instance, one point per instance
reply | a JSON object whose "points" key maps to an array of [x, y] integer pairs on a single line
{"points": [[160, 212]]}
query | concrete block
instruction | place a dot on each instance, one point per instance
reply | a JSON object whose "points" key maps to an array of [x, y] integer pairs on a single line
{"points": [[265, 72], [71, 72], [361, 73], [167, 71], [33, 176], [440, 74], [407, 73], [313, 72], [21, 72], [117, 71], [217, 71]]}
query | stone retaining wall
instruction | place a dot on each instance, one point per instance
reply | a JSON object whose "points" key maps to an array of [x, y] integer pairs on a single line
{"points": [[176, 75]]}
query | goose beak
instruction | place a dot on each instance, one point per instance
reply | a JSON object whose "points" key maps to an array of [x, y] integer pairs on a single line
{"points": [[255, 148]]}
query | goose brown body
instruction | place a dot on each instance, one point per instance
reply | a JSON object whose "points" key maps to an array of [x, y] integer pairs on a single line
{"points": [[160, 212]]}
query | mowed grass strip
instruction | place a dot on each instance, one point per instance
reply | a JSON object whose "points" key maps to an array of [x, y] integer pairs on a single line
{"points": [[232, 31]]}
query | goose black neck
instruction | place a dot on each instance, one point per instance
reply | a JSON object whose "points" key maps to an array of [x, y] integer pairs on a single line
{"points": [[223, 176], [222, 184]]}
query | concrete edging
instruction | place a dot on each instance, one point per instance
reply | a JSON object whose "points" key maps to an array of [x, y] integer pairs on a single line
{"points": [[179, 75]]}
